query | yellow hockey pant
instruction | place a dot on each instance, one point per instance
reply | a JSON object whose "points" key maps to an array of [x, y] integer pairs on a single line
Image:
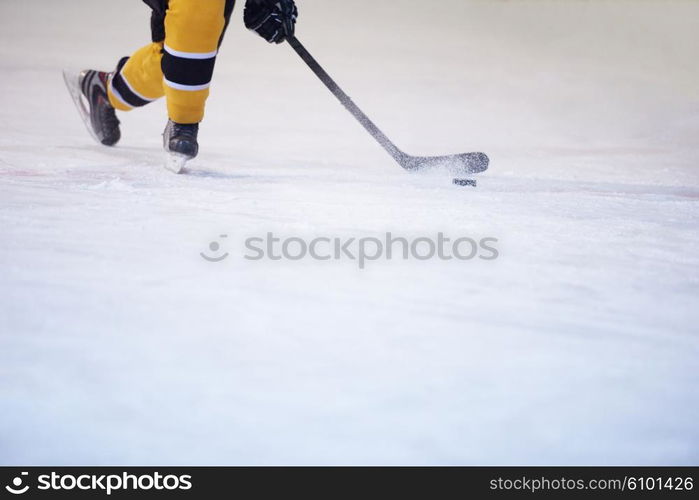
{"points": [[179, 67]]}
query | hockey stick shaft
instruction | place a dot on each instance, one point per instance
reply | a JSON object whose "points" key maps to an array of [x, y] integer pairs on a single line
{"points": [[346, 101]]}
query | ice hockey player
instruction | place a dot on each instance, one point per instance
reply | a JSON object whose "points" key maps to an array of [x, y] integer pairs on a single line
{"points": [[178, 64]]}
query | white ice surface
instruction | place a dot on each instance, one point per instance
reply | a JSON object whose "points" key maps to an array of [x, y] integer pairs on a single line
{"points": [[119, 344]]}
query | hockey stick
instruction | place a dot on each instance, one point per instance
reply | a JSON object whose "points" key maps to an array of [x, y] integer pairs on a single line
{"points": [[465, 163]]}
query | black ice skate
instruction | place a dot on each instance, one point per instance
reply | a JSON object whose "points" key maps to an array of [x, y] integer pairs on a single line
{"points": [[89, 92], [180, 143]]}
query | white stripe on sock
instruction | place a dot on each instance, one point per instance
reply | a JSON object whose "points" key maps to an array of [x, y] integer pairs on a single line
{"points": [[116, 93], [187, 88], [191, 55]]}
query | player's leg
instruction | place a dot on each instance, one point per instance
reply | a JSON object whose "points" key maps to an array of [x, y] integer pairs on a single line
{"points": [[193, 33], [138, 79], [193, 29], [183, 73]]}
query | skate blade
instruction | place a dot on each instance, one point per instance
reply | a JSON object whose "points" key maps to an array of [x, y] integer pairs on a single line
{"points": [[72, 81], [176, 162]]}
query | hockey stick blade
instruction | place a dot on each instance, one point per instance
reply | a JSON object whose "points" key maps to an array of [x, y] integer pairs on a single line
{"points": [[467, 163]]}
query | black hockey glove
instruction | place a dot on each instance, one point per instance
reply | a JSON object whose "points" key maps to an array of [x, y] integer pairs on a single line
{"points": [[273, 20]]}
